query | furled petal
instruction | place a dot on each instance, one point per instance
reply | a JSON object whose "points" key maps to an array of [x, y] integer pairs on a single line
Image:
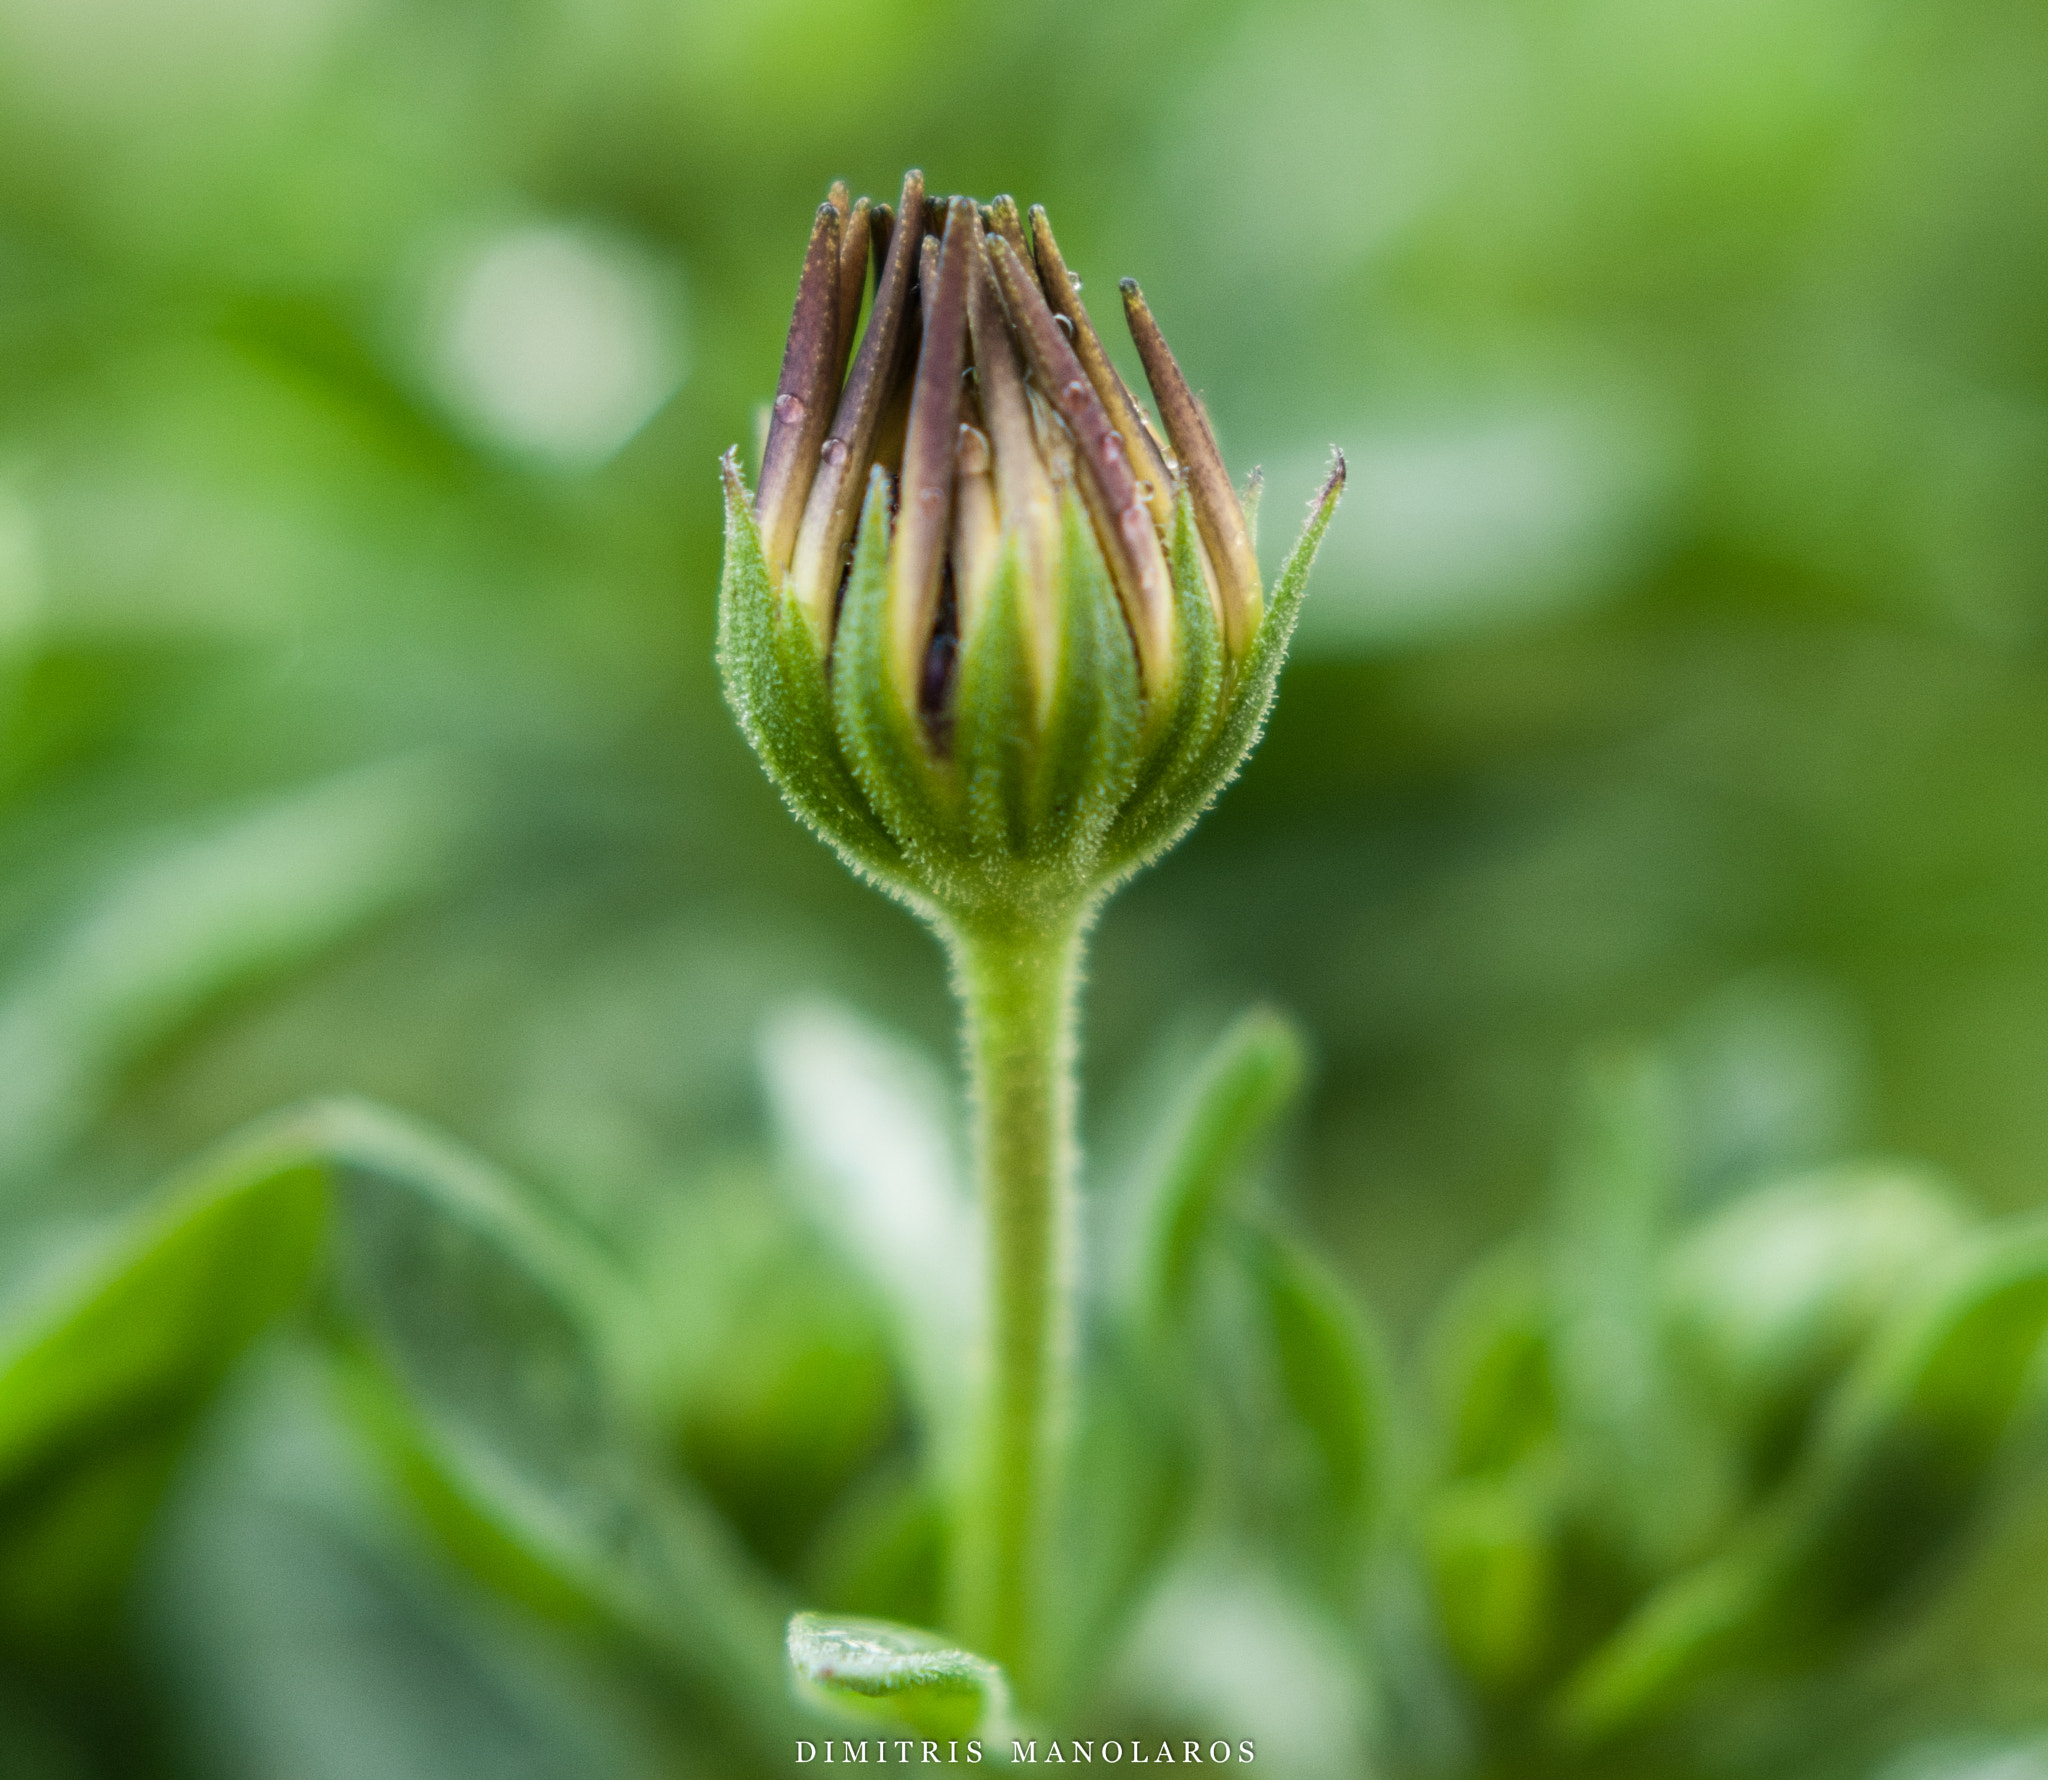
{"points": [[1024, 491], [1063, 292], [1122, 520], [804, 394], [930, 448], [977, 529], [854, 232], [1217, 513], [834, 502]]}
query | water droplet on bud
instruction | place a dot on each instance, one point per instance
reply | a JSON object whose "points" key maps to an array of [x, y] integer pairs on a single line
{"points": [[1064, 325], [1074, 278], [1146, 491], [1076, 388], [931, 499], [835, 452], [789, 408]]}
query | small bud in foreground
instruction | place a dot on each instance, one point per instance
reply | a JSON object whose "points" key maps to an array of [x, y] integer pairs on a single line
{"points": [[995, 634]]}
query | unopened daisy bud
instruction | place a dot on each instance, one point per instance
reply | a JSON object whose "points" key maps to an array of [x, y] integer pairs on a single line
{"points": [[991, 638]]}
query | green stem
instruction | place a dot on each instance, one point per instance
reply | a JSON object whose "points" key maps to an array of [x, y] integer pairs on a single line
{"points": [[1017, 985]]}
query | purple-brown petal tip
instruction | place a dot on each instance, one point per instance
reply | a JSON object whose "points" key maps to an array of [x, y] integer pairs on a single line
{"points": [[931, 445], [1122, 523], [834, 503], [804, 393], [1218, 517]]}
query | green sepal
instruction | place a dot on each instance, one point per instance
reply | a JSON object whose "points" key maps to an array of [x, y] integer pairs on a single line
{"points": [[879, 1669], [773, 671], [1148, 831], [1251, 693], [1097, 709], [1178, 751], [880, 728], [995, 741]]}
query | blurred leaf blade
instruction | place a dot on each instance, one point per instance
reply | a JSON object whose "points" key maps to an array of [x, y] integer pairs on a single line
{"points": [[1887, 1492], [899, 1673], [1247, 1080]]}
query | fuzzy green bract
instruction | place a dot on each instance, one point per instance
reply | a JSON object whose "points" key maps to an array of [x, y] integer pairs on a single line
{"points": [[896, 1672], [997, 812]]}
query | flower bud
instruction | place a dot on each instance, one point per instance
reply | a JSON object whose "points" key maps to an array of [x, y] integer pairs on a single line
{"points": [[994, 632]]}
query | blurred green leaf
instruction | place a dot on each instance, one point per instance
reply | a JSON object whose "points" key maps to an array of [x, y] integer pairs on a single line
{"points": [[1333, 1406], [309, 1633], [1623, 1421], [1490, 1364], [899, 1673], [1897, 1470], [488, 1321], [1229, 1105], [1770, 1300], [103, 1368], [1491, 1545]]}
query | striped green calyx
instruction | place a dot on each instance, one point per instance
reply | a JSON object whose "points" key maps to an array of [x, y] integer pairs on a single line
{"points": [[995, 634]]}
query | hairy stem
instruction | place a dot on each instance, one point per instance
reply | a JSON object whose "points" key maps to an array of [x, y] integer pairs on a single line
{"points": [[1017, 986]]}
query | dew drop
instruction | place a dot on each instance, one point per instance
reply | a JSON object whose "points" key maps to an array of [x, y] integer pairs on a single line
{"points": [[1146, 491], [835, 452], [789, 407], [1064, 325], [1076, 389], [931, 499], [1074, 279]]}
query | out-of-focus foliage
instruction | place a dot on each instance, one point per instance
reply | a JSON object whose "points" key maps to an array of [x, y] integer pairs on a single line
{"points": [[1671, 694]]}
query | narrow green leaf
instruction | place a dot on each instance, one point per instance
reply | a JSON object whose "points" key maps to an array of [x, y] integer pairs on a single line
{"points": [[914, 1678], [1330, 1395], [1648, 1476], [1491, 1546], [1132, 1480], [1248, 1079], [746, 612], [1490, 1365]]}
